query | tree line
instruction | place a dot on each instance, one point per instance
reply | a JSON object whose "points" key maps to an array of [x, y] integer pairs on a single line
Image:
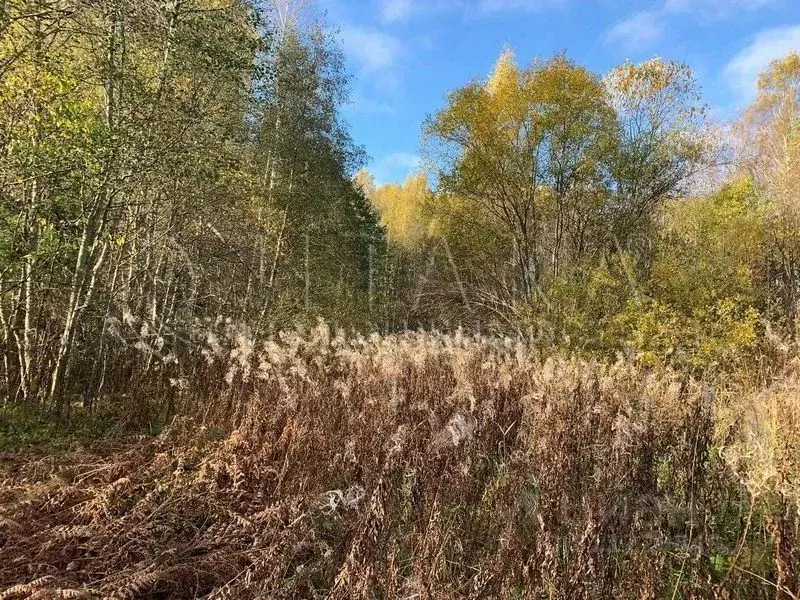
{"points": [[604, 213], [167, 163]]}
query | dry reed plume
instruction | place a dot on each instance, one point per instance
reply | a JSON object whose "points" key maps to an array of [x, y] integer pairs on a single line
{"points": [[418, 466]]}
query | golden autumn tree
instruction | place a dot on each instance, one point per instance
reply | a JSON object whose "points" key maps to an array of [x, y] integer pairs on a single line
{"points": [[401, 207], [660, 143], [560, 165], [522, 149], [771, 128]]}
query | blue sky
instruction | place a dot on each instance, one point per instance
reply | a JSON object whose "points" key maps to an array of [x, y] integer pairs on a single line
{"points": [[405, 55]]}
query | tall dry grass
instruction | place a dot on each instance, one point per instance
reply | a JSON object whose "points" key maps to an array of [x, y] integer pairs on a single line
{"points": [[418, 466]]}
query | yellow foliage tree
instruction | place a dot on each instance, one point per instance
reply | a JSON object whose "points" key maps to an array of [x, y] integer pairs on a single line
{"points": [[523, 148], [558, 167], [704, 297], [772, 130], [401, 208]]}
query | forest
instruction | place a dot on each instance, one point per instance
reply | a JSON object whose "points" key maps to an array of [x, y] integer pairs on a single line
{"points": [[561, 360]]}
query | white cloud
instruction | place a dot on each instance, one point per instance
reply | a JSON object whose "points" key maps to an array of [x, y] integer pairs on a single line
{"points": [[396, 10], [646, 27], [395, 167], [393, 11], [403, 10], [401, 160], [489, 6], [714, 8], [640, 29], [375, 60], [743, 69], [372, 50]]}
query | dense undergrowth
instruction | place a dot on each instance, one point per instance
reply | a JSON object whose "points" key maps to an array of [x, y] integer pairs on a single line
{"points": [[418, 466]]}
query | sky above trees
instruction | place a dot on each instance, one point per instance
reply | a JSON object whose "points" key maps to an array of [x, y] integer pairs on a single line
{"points": [[405, 55]]}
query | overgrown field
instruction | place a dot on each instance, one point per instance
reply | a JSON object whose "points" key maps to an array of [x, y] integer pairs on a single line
{"points": [[419, 466]]}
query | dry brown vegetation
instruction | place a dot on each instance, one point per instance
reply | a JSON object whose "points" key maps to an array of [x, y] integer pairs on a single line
{"points": [[419, 466]]}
